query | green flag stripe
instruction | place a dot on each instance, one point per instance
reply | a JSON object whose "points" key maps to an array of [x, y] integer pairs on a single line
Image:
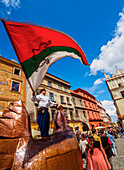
{"points": [[31, 65]]}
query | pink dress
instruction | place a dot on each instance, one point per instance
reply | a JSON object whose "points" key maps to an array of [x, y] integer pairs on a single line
{"points": [[98, 160], [61, 122]]}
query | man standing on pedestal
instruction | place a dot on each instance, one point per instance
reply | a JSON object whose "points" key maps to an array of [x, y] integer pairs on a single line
{"points": [[43, 116]]}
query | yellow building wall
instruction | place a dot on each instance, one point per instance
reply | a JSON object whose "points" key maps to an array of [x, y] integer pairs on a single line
{"points": [[71, 124], [6, 78], [35, 126], [5, 86]]}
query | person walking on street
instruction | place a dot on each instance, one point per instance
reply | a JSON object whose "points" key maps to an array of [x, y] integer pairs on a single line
{"points": [[97, 159], [120, 131], [96, 138], [43, 116], [106, 143], [113, 143], [83, 144]]}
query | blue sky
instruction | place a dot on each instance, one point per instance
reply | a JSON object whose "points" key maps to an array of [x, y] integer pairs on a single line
{"points": [[91, 23]]}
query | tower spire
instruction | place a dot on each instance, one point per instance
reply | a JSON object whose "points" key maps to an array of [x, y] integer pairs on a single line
{"points": [[117, 70], [106, 76]]}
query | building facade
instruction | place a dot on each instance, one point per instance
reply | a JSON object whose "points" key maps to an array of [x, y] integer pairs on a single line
{"points": [[80, 113], [12, 83], [91, 108], [13, 86], [59, 91], [105, 117], [115, 84]]}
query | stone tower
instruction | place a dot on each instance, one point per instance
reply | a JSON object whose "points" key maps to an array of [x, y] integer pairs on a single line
{"points": [[115, 85]]}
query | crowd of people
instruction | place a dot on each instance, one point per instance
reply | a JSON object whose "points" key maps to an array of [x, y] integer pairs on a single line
{"points": [[98, 147]]}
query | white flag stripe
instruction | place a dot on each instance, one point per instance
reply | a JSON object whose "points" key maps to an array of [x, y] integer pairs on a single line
{"points": [[36, 78]]}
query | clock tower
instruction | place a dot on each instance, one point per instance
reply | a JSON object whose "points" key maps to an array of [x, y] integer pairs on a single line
{"points": [[115, 84]]}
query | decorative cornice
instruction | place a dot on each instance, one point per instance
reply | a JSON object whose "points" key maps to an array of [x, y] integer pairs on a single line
{"points": [[7, 61], [54, 89], [77, 90], [12, 74], [115, 77]]}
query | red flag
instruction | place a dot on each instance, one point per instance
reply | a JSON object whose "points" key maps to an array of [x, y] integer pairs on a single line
{"points": [[38, 47]]}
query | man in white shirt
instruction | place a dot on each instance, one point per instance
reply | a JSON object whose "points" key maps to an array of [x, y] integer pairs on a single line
{"points": [[43, 116]]}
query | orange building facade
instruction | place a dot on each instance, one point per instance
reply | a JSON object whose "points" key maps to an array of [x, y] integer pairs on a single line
{"points": [[12, 83], [91, 108]]}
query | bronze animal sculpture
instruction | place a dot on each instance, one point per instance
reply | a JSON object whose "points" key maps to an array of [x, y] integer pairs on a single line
{"points": [[19, 151]]}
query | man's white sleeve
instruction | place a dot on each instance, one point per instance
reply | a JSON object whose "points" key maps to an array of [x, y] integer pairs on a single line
{"points": [[35, 98], [51, 104]]}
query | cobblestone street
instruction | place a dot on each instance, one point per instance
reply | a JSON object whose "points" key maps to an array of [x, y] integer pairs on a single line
{"points": [[118, 161]]}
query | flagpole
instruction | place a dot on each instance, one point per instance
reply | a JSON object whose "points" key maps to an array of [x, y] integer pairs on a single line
{"points": [[30, 86]]}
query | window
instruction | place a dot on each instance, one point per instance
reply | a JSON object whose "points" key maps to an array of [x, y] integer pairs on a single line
{"points": [[99, 116], [15, 86], [89, 115], [76, 113], [122, 93], [16, 71], [49, 84], [51, 96], [62, 99], [93, 115], [81, 102], [60, 88], [71, 115], [119, 84], [73, 100], [53, 114], [68, 101], [65, 89], [1, 107], [84, 113], [85, 103]]}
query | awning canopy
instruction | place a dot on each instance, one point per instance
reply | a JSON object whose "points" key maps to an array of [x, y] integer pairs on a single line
{"points": [[121, 117], [100, 127]]}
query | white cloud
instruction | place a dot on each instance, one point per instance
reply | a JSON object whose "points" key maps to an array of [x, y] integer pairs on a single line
{"points": [[9, 12], [91, 89], [13, 3], [100, 92], [113, 53], [114, 118], [96, 96], [10, 4], [6, 2], [109, 107], [95, 87], [99, 81], [86, 74]]}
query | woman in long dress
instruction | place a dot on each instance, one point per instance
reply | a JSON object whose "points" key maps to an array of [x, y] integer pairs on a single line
{"points": [[60, 123], [97, 159]]}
